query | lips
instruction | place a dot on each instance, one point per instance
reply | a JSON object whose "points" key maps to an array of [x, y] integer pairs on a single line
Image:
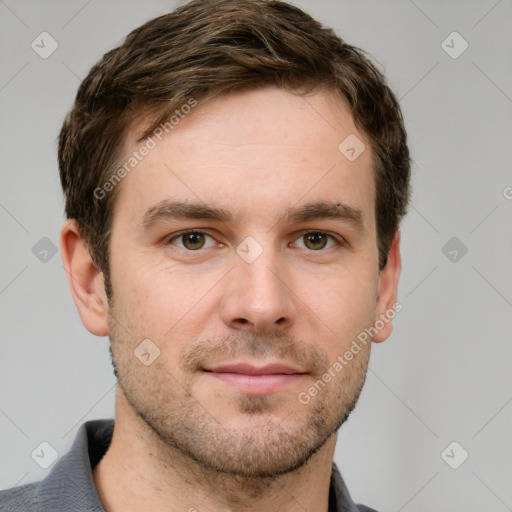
{"points": [[251, 379], [249, 369]]}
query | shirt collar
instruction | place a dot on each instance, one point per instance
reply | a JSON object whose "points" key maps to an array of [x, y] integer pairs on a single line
{"points": [[70, 483]]}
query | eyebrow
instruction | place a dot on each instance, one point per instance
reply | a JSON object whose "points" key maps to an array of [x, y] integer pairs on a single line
{"points": [[325, 210], [181, 210], [168, 210]]}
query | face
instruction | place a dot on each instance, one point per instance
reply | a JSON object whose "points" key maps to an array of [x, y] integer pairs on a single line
{"points": [[274, 279]]}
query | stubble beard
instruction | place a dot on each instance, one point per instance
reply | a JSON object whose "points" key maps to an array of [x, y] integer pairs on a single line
{"points": [[250, 458]]}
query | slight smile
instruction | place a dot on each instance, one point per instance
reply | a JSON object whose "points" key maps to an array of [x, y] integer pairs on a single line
{"points": [[251, 379]]}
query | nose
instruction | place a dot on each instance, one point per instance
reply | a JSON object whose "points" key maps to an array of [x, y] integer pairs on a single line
{"points": [[259, 297]]}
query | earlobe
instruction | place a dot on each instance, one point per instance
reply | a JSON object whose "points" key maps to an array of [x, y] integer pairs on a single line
{"points": [[388, 291], [84, 279]]}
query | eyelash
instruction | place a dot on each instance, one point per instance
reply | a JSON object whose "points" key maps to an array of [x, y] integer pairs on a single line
{"points": [[339, 241]]}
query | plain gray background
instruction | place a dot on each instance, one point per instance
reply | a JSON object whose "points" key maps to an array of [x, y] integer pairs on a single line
{"points": [[444, 375]]}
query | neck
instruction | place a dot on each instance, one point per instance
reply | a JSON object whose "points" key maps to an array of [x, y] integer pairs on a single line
{"points": [[142, 472]]}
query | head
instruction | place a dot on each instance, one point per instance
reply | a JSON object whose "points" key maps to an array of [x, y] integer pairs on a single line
{"points": [[282, 150]]}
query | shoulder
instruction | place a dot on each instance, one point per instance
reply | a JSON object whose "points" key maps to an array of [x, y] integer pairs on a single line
{"points": [[363, 508], [19, 499]]}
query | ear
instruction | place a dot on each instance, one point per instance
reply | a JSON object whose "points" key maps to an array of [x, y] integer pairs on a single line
{"points": [[84, 279], [388, 290]]}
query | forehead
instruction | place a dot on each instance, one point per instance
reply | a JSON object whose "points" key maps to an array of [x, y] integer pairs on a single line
{"points": [[253, 152]]}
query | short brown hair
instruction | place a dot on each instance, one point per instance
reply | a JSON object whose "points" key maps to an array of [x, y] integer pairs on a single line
{"points": [[211, 47]]}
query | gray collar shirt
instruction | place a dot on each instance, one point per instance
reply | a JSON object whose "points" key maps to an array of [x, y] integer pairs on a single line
{"points": [[69, 487]]}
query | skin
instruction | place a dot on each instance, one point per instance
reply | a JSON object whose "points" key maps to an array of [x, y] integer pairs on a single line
{"points": [[183, 439]]}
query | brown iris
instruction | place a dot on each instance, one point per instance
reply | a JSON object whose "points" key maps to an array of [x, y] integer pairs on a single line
{"points": [[317, 240], [193, 241]]}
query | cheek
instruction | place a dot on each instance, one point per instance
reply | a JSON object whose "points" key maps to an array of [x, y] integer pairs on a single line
{"points": [[138, 297], [341, 307], [161, 302]]}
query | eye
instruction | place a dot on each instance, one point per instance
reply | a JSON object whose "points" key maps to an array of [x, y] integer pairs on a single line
{"points": [[191, 240], [317, 240]]}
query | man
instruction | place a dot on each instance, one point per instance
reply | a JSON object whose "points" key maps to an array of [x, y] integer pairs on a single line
{"points": [[234, 175]]}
